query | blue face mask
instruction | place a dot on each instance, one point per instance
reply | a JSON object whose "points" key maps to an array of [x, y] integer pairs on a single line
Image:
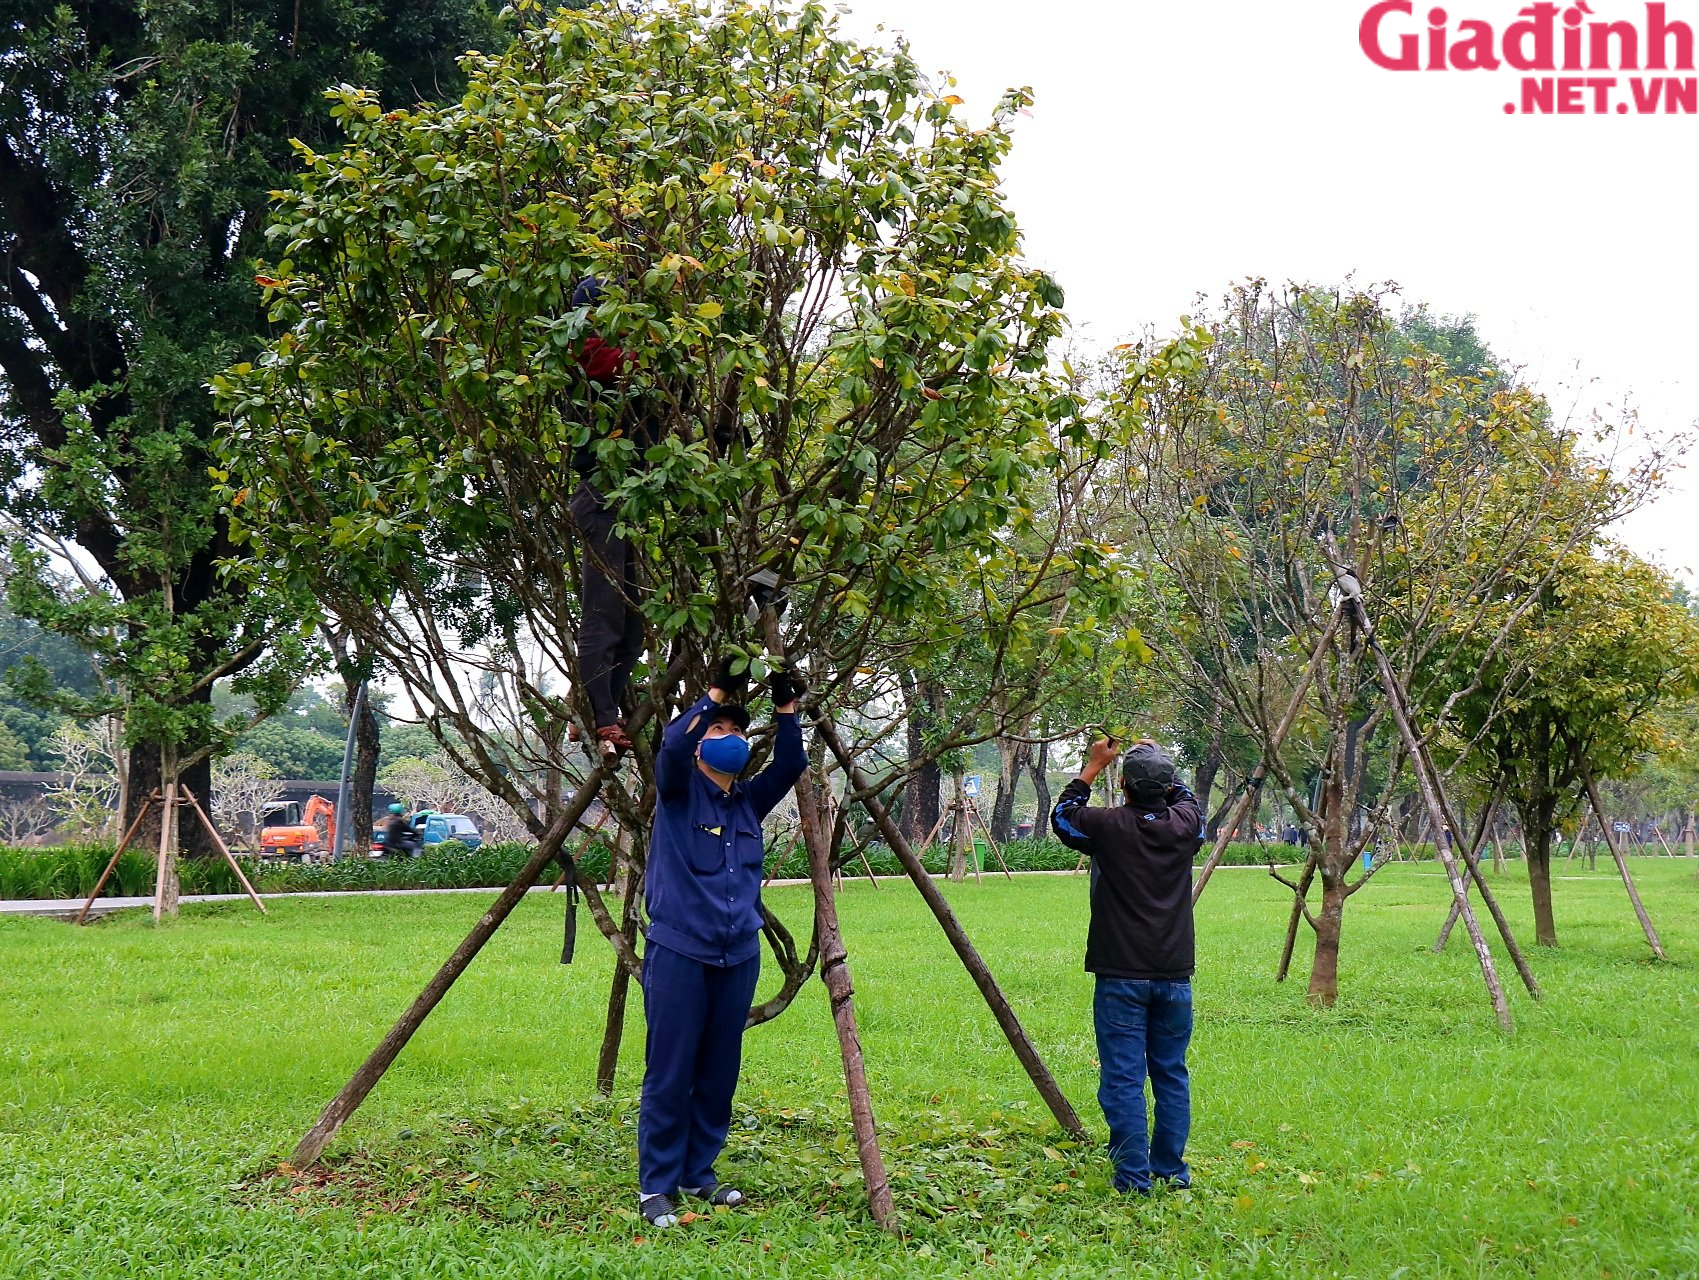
{"points": [[726, 754]]}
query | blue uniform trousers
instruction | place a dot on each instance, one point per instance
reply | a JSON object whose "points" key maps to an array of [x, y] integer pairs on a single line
{"points": [[695, 1013]]}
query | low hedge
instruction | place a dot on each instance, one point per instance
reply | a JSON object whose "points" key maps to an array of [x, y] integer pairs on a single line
{"points": [[70, 871]]}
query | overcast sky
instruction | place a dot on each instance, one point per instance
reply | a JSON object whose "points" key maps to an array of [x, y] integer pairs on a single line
{"points": [[1176, 148]]}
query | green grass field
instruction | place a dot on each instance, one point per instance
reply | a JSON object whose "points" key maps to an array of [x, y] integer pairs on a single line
{"points": [[152, 1080]]}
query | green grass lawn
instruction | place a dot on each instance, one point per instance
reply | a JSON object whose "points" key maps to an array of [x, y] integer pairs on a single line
{"points": [[151, 1080]]}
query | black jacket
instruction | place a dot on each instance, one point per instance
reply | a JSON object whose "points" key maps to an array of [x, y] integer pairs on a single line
{"points": [[1141, 880]]}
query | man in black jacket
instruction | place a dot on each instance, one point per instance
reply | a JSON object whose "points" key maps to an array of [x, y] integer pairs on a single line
{"points": [[1140, 947]]}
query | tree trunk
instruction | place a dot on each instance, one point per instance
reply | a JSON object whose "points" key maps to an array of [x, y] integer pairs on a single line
{"points": [[1204, 781], [1330, 860], [144, 779], [362, 779], [613, 1031], [1012, 758], [922, 801], [1539, 855], [1040, 765], [1324, 972]]}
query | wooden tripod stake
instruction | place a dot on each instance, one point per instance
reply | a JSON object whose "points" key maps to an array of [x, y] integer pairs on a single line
{"points": [[184, 796], [1622, 865]]}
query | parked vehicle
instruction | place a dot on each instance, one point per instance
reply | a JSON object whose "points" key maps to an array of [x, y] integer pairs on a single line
{"points": [[288, 831], [433, 829]]}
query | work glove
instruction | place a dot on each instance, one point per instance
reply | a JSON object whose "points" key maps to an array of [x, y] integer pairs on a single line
{"points": [[732, 683], [786, 684]]}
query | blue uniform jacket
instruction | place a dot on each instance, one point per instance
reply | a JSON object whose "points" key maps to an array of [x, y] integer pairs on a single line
{"points": [[703, 883]]}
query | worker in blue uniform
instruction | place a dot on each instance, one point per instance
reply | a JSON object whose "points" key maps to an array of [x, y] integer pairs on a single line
{"points": [[702, 889]]}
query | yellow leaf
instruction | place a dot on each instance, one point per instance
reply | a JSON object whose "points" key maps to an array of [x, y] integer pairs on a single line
{"points": [[1244, 1202], [906, 285], [709, 310], [1050, 1153], [953, 99]]}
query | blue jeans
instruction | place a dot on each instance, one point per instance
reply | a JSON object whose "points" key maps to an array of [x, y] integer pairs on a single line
{"points": [[1143, 1028]]}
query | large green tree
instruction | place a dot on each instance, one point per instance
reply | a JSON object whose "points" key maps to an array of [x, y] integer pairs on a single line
{"points": [[1589, 680], [1303, 452], [138, 147], [838, 368]]}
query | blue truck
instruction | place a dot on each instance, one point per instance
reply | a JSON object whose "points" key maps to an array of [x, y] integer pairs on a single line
{"points": [[432, 828]]}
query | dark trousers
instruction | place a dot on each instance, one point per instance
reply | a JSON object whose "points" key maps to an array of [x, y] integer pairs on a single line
{"points": [[1143, 1028], [610, 628], [696, 1014]]}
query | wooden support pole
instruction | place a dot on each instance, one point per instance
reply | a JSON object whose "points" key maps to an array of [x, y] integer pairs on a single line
{"points": [[835, 974], [224, 849], [1428, 785], [1621, 864], [1475, 852], [117, 853], [361, 1083], [1016, 1035], [990, 843], [167, 819], [1253, 786], [1471, 861], [840, 991]]}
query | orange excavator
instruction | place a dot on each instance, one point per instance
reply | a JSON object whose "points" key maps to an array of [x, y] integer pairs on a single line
{"points": [[291, 832]]}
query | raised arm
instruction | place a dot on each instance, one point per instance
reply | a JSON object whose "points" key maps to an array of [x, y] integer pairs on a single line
{"points": [[789, 762], [1070, 819]]}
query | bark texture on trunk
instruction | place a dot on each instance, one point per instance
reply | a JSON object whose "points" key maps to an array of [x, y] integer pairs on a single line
{"points": [[1013, 759], [1324, 971], [1539, 857], [362, 780], [613, 1030], [1040, 765], [145, 777], [922, 794], [1332, 865]]}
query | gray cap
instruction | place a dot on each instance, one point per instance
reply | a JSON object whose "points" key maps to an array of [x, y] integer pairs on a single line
{"points": [[1147, 771]]}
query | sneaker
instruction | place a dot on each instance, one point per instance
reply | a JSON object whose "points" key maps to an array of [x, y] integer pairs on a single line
{"points": [[716, 1194], [612, 739], [659, 1212]]}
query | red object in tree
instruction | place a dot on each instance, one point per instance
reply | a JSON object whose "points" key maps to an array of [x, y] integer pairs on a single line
{"points": [[602, 361]]}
